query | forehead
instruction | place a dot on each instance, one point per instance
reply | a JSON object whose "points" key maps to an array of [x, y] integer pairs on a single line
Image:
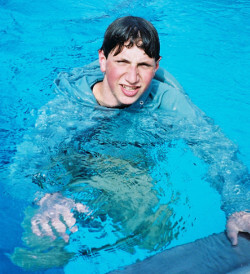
{"points": [[134, 53]]}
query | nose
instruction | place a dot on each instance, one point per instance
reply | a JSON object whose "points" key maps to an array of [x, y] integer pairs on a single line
{"points": [[132, 75]]}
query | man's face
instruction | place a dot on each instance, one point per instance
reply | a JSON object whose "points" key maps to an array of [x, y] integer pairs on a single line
{"points": [[127, 76]]}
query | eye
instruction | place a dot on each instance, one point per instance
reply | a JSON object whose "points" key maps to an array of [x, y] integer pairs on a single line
{"points": [[122, 62], [145, 65]]}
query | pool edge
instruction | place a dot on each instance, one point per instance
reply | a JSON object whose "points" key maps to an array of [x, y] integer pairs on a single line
{"points": [[213, 254]]}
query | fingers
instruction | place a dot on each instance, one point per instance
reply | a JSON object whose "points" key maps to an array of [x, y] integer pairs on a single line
{"points": [[60, 227], [70, 221], [41, 227], [47, 230], [74, 229], [82, 208], [238, 221], [44, 224], [233, 236], [34, 226], [55, 216], [232, 230]]}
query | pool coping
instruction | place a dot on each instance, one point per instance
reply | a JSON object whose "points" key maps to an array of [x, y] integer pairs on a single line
{"points": [[213, 254]]}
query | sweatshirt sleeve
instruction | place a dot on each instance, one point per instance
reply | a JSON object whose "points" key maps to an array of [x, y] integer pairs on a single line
{"points": [[226, 172], [39, 146]]}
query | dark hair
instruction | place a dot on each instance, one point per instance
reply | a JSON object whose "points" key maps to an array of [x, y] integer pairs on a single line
{"points": [[135, 31]]}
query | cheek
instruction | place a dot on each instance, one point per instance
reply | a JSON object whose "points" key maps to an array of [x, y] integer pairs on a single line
{"points": [[111, 78], [113, 75], [147, 78]]}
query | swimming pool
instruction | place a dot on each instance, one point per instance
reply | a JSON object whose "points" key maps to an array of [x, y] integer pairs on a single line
{"points": [[205, 45]]}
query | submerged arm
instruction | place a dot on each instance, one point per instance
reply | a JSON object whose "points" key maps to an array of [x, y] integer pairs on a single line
{"points": [[226, 172]]}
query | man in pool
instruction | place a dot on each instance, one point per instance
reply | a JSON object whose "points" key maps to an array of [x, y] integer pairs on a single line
{"points": [[129, 59], [128, 77]]}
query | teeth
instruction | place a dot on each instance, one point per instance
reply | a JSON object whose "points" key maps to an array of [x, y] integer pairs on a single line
{"points": [[129, 88]]}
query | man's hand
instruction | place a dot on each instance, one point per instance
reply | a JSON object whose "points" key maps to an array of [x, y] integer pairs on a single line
{"points": [[55, 216], [237, 222]]}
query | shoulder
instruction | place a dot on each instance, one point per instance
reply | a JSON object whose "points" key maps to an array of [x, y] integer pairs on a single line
{"points": [[76, 75], [168, 95], [166, 77], [77, 83]]}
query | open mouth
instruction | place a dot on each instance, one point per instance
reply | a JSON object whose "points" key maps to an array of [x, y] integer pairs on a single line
{"points": [[130, 90]]}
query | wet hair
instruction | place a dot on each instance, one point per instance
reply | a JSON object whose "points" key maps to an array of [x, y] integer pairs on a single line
{"points": [[129, 31]]}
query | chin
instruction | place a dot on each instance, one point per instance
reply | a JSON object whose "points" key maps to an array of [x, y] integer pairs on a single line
{"points": [[127, 102]]}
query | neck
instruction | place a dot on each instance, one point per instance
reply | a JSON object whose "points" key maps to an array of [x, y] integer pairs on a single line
{"points": [[99, 91], [97, 88], [103, 98]]}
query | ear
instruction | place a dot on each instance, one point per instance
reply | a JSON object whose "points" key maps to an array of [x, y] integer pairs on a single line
{"points": [[102, 61], [157, 64]]}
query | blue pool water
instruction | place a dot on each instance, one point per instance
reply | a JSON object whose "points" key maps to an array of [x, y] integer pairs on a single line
{"points": [[204, 44]]}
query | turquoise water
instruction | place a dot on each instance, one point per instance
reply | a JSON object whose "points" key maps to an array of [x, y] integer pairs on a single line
{"points": [[205, 45]]}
